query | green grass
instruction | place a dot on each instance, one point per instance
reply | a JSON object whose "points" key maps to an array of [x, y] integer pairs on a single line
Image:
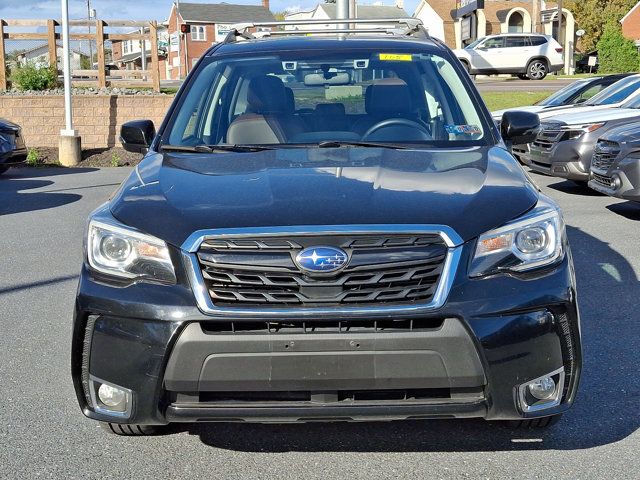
{"points": [[501, 100]]}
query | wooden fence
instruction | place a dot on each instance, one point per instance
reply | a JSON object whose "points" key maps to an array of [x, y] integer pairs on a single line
{"points": [[123, 78]]}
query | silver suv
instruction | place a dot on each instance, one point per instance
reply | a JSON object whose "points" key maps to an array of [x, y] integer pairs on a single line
{"points": [[527, 55]]}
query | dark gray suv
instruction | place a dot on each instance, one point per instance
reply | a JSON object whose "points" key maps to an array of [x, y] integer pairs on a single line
{"points": [[615, 167]]}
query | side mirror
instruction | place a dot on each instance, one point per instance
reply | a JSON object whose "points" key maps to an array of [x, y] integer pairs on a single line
{"points": [[519, 127], [137, 136]]}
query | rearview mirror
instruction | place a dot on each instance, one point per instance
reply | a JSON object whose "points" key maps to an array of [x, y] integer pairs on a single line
{"points": [[330, 78], [136, 136], [519, 127]]}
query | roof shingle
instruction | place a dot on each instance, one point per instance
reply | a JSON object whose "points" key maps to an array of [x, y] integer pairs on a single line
{"points": [[224, 13]]}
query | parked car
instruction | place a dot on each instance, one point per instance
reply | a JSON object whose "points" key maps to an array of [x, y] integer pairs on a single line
{"points": [[565, 145], [275, 258], [576, 93], [12, 147], [620, 93], [528, 55], [615, 166]]}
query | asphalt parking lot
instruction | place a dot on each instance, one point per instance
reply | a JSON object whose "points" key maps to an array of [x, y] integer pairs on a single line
{"points": [[43, 434]]}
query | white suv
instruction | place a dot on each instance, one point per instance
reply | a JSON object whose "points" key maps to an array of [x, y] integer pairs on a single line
{"points": [[528, 55]]}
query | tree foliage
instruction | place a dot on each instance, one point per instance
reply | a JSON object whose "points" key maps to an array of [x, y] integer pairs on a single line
{"points": [[593, 16], [616, 53]]}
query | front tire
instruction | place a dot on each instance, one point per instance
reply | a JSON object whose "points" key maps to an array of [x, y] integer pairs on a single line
{"points": [[537, 69], [130, 430]]}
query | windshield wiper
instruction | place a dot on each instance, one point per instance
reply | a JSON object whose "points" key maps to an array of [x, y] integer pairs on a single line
{"points": [[215, 148], [340, 143]]}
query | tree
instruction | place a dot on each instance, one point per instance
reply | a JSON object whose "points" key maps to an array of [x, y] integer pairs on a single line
{"points": [[593, 16], [616, 53]]}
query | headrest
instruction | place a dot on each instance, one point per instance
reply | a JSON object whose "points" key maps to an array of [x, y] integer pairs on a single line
{"points": [[388, 96], [291, 101], [266, 94], [330, 109]]}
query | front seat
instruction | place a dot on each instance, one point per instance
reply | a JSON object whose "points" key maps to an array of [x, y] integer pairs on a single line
{"points": [[268, 118], [385, 99]]}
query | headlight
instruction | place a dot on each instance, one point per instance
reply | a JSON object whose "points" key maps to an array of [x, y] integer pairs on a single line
{"points": [[125, 253], [576, 131], [532, 241]]}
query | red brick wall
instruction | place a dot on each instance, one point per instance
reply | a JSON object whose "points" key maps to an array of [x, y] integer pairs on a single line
{"points": [[631, 25]]}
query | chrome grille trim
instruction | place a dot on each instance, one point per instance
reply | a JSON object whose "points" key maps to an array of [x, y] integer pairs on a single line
{"points": [[604, 155], [450, 238]]}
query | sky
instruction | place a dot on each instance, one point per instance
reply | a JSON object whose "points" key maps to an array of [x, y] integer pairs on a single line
{"points": [[138, 9]]}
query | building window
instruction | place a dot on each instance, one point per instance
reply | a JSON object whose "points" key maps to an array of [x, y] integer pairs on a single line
{"points": [[516, 23], [125, 47], [198, 33]]}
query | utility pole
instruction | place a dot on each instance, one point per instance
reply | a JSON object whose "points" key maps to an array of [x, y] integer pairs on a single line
{"points": [[179, 33], [69, 152], [342, 11], [559, 15], [535, 15]]}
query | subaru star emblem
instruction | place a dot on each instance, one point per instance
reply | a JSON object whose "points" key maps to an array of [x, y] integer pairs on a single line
{"points": [[321, 259]]}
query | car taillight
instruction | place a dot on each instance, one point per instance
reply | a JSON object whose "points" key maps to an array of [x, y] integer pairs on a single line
{"points": [[560, 50]]}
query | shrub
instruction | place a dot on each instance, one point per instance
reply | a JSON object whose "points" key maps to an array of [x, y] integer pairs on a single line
{"points": [[34, 77], [617, 54], [33, 157], [115, 160]]}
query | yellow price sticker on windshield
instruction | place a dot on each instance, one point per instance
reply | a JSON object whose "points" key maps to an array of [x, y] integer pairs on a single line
{"points": [[398, 57]]}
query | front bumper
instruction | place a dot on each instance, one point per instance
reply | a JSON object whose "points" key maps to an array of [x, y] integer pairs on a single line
{"points": [[621, 180], [491, 336], [568, 159]]}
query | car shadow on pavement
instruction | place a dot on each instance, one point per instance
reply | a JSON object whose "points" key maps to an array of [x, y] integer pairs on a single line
{"points": [[606, 410], [630, 210], [16, 185], [572, 188]]}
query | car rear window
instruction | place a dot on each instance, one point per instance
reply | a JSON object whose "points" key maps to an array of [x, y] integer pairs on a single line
{"points": [[536, 41]]}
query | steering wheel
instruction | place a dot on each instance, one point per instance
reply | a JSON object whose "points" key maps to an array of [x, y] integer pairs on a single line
{"points": [[389, 122]]}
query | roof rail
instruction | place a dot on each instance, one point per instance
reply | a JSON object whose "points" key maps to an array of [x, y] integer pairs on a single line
{"points": [[389, 26]]}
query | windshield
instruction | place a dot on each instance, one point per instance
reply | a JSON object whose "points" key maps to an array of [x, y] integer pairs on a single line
{"points": [[616, 93], [563, 94], [310, 96]]}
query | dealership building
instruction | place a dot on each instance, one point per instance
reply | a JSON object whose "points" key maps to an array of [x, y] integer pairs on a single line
{"points": [[460, 22]]}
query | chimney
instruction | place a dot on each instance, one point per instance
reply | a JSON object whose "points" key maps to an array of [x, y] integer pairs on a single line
{"points": [[400, 4], [265, 4]]}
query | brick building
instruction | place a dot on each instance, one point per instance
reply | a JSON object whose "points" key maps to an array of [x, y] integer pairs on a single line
{"points": [[205, 24], [631, 24]]}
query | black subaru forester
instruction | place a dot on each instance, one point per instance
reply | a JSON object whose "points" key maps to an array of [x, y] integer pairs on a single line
{"points": [[326, 227]]}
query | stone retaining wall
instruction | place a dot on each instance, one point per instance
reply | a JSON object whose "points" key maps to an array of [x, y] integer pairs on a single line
{"points": [[96, 117]]}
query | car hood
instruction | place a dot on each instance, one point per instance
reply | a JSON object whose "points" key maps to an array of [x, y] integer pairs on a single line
{"points": [[554, 112], [6, 125], [172, 195], [627, 133], [579, 117]]}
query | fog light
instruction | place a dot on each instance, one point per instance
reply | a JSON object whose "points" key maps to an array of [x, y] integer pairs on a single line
{"points": [[112, 396], [616, 183], [542, 389], [543, 392], [110, 399]]}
